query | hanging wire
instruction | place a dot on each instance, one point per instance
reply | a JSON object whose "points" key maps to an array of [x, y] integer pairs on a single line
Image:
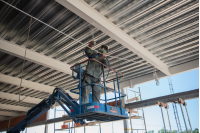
{"points": [[24, 60], [155, 75], [66, 34], [92, 34]]}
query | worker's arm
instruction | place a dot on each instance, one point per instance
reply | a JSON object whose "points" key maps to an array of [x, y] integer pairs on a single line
{"points": [[89, 51]]}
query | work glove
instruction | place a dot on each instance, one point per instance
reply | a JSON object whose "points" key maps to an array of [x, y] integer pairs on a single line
{"points": [[91, 43], [103, 56]]}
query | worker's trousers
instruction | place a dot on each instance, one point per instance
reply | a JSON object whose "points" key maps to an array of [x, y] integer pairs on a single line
{"points": [[96, 90]]}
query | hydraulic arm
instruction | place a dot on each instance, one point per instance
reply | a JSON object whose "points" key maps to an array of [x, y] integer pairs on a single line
{"points": [[59, 95]]}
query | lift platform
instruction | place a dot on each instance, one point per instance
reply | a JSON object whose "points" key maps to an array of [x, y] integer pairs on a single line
{"points": [[77, 112], [98, 111]]}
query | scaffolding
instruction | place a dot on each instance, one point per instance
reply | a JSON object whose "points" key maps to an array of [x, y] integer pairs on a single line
{"points": [[141, 116], [55, 110]]}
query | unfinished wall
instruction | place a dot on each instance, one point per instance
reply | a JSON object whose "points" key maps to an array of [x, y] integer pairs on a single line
{"points": [[15, 121]]}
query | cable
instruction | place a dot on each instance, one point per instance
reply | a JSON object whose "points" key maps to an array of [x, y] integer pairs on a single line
{"points": [[155, 76], [70, 36], [63, 32], [24, 60]]}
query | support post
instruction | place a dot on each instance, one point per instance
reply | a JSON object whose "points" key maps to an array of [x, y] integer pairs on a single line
{"points": [[99, 127], [74, 127], [131, 123], [161, 105], [46, 125], [180, 101], [167, 107], [185, 104], [125, 121], [115, 93], [8, 125], [119, 93], [54, 117]]}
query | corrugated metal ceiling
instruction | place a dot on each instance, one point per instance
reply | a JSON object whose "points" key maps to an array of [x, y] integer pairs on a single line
{"points": [[168, 29]]}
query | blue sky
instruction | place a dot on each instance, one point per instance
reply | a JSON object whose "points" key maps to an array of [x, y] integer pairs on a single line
{"points": [[181, 82]]}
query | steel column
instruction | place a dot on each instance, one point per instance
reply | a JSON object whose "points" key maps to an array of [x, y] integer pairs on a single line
{"points": [[169, 121], [163, 119], [185, 104]]}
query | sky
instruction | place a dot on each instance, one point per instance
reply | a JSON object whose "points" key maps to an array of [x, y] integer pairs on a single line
{"points": [[181, 82]]}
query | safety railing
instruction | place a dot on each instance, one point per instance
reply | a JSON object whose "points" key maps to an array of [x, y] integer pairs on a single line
{"points": [[79, 71]]}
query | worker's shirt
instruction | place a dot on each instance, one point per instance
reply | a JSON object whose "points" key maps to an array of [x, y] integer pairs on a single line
{"points": [[94, 68]]}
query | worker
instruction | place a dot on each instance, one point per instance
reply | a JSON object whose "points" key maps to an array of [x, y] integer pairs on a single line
{"points": [[93, 73]]}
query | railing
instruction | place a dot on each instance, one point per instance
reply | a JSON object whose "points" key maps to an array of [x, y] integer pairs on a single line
{"points": [[103, 86]]}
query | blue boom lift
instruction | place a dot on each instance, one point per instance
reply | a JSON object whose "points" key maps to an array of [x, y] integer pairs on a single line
{"points": [[78, 112]]}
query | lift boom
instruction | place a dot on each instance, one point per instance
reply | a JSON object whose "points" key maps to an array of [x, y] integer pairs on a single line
{"points": [[58, 95]]}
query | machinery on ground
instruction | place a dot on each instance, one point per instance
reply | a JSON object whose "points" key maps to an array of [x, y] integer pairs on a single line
{"points": [[78, 112]]}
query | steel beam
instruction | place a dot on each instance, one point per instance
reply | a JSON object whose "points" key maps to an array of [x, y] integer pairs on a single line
{"points": [[38, 58], [15, 97], [30, 84], [165, 99], [13, 107], [173, 70], [6, 113], [85, 11], [184, 67], [32, 56]]}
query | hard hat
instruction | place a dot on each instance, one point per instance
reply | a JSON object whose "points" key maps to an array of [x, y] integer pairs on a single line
{"points": [[105, 46]]}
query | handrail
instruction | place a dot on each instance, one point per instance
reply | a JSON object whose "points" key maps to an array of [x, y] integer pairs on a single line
{"points": [[101, 64]]}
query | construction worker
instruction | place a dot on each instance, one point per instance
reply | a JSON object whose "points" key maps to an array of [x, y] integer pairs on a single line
{"points": [[93, 73]]}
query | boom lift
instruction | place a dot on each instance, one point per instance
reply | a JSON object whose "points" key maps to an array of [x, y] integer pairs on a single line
{"points": [[78, 112]]}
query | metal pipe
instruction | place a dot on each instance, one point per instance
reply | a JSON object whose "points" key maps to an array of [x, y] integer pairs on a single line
{"points": [[163, 119], [169, 121], [104, 89], [184, 118], [119, 93], [115, 93], [80, 88]]}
